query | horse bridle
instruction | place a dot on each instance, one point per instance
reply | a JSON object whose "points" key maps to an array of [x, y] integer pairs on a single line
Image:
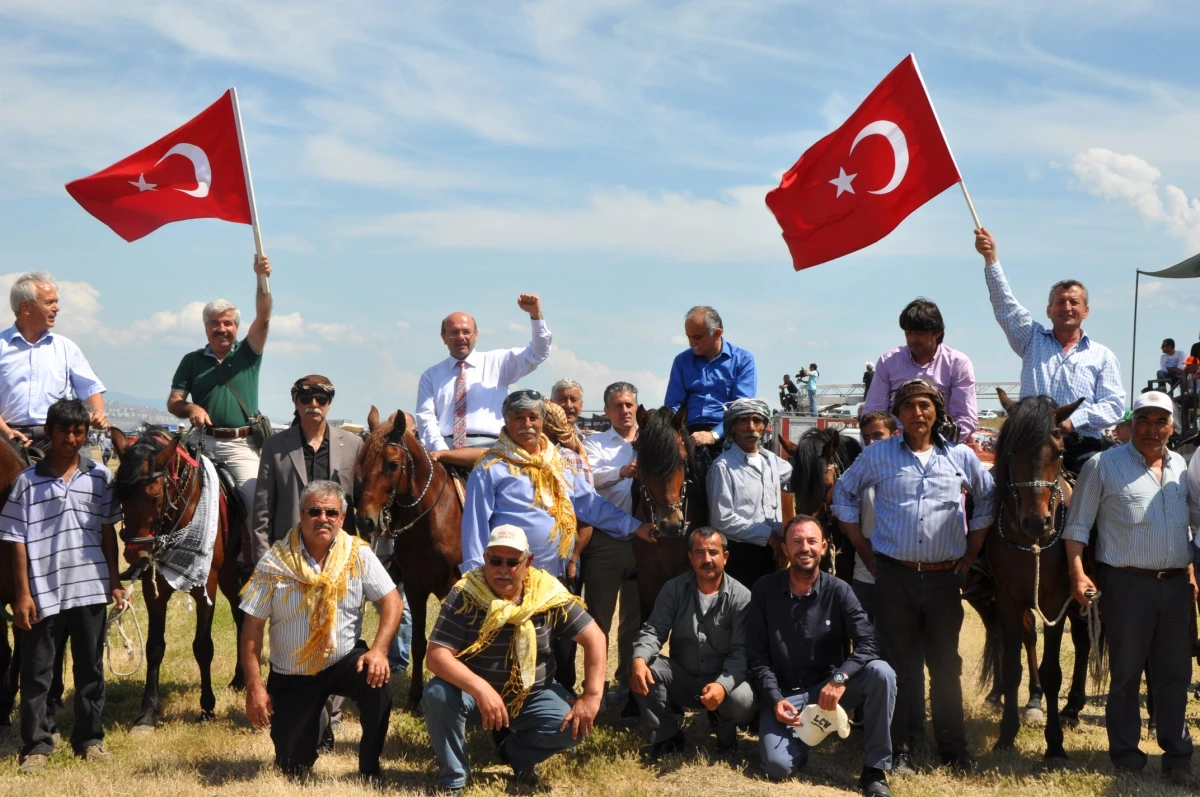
{"points": [[681, 505], [409, 463], [1056, 492], [174, 502]]}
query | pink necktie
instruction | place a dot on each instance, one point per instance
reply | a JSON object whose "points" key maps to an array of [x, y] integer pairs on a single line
{"points": [[460, 406]]}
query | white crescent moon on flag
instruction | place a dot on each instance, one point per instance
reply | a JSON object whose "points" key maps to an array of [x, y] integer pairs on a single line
{"points": [[895, 136], [204, 171]]}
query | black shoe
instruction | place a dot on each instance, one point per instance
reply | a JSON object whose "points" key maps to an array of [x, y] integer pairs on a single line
{"points": [[874, 783], [326, 745], [961, 764], [727, 751], [902, 765], [665, 747], [526, 781], [500, 738]]}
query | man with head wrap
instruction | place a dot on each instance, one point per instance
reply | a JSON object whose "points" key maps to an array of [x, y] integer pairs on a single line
{"points": [[743, 493], [919, 556]]}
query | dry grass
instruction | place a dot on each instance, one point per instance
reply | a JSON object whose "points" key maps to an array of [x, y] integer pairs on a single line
{"points": [[226, 757]]}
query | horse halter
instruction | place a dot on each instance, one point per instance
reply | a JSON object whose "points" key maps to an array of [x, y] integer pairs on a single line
{"points": [[176, 494], [1057, 502], [680, 506], [408, 465]]}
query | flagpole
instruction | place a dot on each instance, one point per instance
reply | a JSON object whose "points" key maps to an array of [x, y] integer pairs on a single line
{"points": [[1133, 358], [961, 182], [263, 282], [970, 205]]}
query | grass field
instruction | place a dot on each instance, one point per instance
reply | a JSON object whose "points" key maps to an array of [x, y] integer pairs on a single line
{"points": [[227, 757]]}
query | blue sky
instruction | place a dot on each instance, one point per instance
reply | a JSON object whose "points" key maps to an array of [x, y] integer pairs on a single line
{"points": [[414, 158]]}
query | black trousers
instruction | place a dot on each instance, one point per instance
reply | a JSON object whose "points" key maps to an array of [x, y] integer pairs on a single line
{"points": [[1147, 621], [298, 701], [749, 562], [1078, 449], [84, 626], [924, 610]]}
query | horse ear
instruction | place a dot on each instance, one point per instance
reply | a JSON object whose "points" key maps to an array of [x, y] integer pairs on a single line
{"points": [[1005, 401], [642, 415], [788, 446], [167, 454], [397, 433], [1062, 413], [119, 440], [680, 419], [401, 423], [830, 450], [372, 419]]}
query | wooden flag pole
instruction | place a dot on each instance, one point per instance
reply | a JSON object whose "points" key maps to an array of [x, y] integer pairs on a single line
{"points": [[961, 182], [263, 282], [970, 205]]}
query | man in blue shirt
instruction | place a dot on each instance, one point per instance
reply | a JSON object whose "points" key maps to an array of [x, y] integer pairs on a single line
{"points": [[708, 376], [919, 555]]}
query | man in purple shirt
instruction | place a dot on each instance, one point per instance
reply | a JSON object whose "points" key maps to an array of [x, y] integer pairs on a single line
{"points": [[926, 357]]}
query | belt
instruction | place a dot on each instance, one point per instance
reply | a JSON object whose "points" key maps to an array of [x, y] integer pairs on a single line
{"points": [[228, 434], [921, 567], [1174, 572]]}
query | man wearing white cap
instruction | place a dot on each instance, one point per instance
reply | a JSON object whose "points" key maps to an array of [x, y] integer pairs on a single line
{"points": [[1136, 497], [492, 655]]}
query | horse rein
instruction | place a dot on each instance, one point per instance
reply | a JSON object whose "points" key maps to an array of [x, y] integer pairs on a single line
{"points": [[385, 514]]}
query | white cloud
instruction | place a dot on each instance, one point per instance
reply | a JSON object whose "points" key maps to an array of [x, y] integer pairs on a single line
{"points": [[333, 158], [680, 339], [1111, 175], [595, 376]]}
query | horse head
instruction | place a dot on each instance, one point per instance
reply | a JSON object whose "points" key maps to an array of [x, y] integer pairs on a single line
{"points": [[385, 468], [1028, 468], [820, 458], [664, 454], [141, 487]]}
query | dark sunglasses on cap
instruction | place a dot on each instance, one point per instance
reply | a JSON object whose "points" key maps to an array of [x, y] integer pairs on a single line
{"points": [[501, 561], [305, 396], [532, 395], [316, 511]]}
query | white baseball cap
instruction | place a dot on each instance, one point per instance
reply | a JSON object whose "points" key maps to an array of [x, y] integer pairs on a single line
{"points": [[1153, 400], [508, 536], [818, 723]]}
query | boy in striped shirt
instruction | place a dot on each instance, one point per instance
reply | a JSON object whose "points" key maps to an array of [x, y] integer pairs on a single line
{"points": [[59, 520]]}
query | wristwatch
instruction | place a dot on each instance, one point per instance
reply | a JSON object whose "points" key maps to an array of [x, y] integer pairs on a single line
{"points": [[839, 678]]}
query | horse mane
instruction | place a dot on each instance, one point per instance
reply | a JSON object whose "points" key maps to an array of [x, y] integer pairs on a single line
{"points": [[808, 473], [658, 454], [150, 442], [376, 439], [1029, 424]]}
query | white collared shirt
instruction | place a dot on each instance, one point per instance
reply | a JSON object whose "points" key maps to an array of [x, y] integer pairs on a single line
{"points": [[35, 375], [489, 375], [608, 452]]}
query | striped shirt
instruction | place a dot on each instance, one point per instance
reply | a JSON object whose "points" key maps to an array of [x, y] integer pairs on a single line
{"points": [[457, 629], [1088, 371], [288, 625], [919, 514], [61, 524], [1139, 522]]}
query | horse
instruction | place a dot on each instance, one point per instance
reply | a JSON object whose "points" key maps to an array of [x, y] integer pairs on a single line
{"points": [[820, 457], [669, 493], [1028, 564], [11, 465], [408, 495], [159, 488]]}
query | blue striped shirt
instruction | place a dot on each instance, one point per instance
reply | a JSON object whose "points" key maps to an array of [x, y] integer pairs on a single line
{"points": [[1139, 522], [1088, 371], [919, 514]]}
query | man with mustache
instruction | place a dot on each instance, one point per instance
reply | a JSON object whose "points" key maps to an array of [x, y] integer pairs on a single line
{"points": [[39, 366], [703, 615], [744, 492], [568, 394], [459, 399], [222, 379], [919, 556], [308, 592], [1061, 362], [799, 622]]}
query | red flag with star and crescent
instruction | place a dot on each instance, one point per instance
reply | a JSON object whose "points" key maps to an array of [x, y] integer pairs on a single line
{"points": [[858, 183], [194, 172]]}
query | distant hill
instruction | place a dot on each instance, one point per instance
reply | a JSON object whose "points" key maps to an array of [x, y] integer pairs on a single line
{"points": [[135, 401]]}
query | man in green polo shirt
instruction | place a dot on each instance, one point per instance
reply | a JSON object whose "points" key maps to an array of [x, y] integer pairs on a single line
{"points": [[222, 379]]}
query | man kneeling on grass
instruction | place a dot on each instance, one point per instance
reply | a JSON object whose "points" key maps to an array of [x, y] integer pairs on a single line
{"points": [[310, 585], [492, 652]]}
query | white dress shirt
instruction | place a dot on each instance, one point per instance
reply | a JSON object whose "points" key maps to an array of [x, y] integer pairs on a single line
{"points": [[35, 375], [489, 375], [608, 452], [743, 494]]}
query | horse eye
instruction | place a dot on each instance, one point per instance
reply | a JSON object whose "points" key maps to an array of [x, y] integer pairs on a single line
{"points": [[390, 467]]}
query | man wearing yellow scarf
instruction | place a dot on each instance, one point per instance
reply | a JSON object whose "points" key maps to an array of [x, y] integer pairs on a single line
{"points": [[310, 588], [491, 652]]}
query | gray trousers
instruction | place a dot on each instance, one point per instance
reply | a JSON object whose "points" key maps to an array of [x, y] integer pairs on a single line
{"points": [[1147, 620], [873, 688], [609, 571], [673, 683]]}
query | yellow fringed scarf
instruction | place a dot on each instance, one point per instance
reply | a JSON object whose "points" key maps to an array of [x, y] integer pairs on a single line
{"points": [[546, 472], [320, 592], [541, 593]]}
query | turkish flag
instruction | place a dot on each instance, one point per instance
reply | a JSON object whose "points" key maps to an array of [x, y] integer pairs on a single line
{"points": [[194, 172], [855, 185]]}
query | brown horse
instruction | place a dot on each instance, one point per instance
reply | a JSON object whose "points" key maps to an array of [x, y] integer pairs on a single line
{"points": [[669, 493], [1028, 562], [11, 465], [409, 496], [159, 488]]}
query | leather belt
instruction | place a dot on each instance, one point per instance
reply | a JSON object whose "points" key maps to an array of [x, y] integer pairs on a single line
{"points": [[228, 434], [1174, 572], [921, 567]]}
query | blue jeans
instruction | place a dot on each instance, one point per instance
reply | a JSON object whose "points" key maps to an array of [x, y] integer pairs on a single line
{"points": [[812, 401], [400, 650], [534, 735]]}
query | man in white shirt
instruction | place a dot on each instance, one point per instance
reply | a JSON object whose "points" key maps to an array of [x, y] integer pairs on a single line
{"points": [[459, 399], [1170, 364], [609, 566], [38, 366]]}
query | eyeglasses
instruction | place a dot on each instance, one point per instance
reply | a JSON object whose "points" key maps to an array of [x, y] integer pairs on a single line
{"points": [[500, 561], [316, 511], [305, 396]]}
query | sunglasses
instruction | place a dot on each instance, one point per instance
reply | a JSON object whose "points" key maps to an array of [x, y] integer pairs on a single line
{"points": [[316, 511], [305, 396], [500, 561], [532, 395]]}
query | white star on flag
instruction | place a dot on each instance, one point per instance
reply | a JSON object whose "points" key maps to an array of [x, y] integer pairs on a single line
{"points": [[842, 181], [142, 185]]}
